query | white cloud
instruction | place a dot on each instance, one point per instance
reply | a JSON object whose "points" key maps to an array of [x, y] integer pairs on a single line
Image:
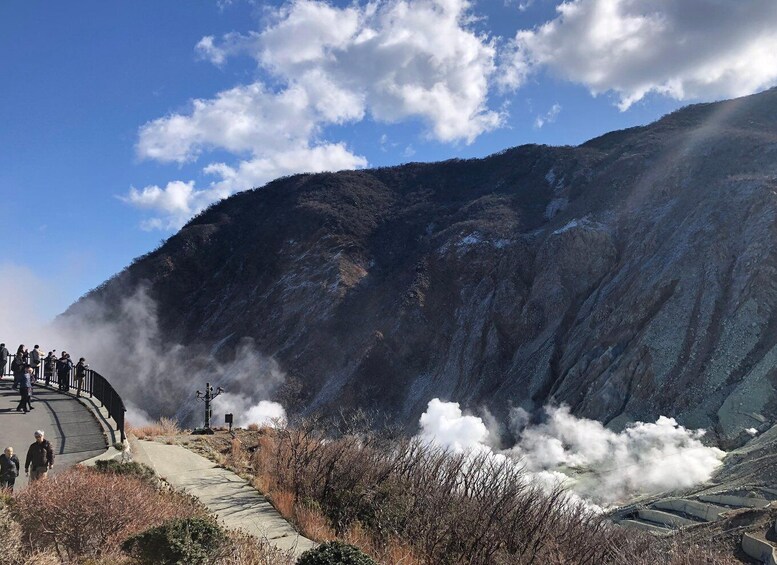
{"points": [[178, 201], [686, 50], [395, 60], [549, 117], [402, 58]]}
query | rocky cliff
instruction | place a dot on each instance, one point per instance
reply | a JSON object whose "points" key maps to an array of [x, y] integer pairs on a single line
{"points": [[632, 276]]}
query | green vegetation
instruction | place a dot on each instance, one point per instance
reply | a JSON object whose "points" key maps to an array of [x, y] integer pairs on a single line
{"points": [[335, 553], [129, 469], [184, 541]]}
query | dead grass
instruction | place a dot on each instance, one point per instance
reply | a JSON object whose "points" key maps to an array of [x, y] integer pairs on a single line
{"points": [[163, 427], [247, 550], [82, 513], [404, 503]]}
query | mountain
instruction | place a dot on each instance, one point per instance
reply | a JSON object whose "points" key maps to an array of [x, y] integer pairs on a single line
{"points": [[628, 277]]}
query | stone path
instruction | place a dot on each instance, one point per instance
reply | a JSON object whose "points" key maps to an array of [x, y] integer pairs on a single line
{"points": [[231, 498], [72, 429]]}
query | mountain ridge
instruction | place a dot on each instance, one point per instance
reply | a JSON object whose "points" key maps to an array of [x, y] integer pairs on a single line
{"points": [[630, 276]]}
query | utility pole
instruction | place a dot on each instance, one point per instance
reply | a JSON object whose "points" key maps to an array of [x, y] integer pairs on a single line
{"points": [[207, 397]]}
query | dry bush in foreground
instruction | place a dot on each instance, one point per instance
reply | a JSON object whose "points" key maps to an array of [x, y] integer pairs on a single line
{"points": [[162, 427], [247, 550], [404, 501], [85, 513]]}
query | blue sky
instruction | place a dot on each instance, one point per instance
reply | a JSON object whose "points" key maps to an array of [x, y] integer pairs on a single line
{"points": [[118, 121]]}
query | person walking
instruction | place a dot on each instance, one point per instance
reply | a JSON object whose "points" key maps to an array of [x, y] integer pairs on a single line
{"points": [[3, 359], [9, 469], [40, 458], [25, 390], [49, 367], [64, 364], [81, 368], [36, 357]]}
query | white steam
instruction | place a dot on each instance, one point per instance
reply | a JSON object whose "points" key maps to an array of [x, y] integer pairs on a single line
{"points": [[153, 376], [245, 412], [594, 462]]}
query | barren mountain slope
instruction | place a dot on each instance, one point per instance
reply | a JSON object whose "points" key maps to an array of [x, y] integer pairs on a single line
{"points": [[629, 277]]}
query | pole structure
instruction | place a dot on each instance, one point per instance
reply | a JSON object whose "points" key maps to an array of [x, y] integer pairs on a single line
{"points": [[207, 398]]}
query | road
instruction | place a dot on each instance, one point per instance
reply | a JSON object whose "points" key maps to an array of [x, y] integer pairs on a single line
{"points": [[70, 426]]}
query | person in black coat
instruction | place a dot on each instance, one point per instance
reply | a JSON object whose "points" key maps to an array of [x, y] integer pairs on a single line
{"points": [[9, 469], [17, 365], [81, 368], [40, 457], [64, 365], [49, 367], [3, 359]]}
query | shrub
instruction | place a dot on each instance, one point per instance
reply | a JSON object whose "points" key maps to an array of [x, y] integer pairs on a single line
{"points": [[163, 427], [244, 549], [129, 469], [82, 512], [178, 542], [335, 553]]}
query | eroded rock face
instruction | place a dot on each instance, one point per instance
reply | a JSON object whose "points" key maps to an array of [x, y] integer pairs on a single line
{"points": [[630, 277]]}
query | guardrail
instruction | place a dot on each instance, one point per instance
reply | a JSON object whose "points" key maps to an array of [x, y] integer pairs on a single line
{"points": [[93, 384]]}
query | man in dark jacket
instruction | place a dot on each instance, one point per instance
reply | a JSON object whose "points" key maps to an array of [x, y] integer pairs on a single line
{"points": [[81, 368], [36, 357], [40, 458], [64, 364], [49, 366]]}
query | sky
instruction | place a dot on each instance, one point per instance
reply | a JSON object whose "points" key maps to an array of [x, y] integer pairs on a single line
{"points": [[121, 120]]}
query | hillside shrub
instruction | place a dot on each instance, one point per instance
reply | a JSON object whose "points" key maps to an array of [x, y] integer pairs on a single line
{"points": [[82, 512], [184, 541], [129, 469], [335, 553], [405, 501], [162, 427], [244, 549]]}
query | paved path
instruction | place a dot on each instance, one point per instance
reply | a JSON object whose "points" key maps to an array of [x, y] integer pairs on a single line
{"points": [[232, 499], [72, 429]]}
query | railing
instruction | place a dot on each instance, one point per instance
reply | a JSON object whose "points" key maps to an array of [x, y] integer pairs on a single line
{"points": [[93, 384]]}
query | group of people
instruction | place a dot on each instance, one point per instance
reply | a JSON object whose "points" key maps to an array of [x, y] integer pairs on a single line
{"points": [[26, 367], [40, 458]]}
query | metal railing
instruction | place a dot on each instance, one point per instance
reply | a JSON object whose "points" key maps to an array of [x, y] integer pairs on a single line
{"points": [[93, 384]]}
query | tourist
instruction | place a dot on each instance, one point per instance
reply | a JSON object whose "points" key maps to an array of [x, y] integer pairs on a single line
{"points": [[49, 366], [17, 365], [25, 390], [81, 368], [40, 458], [3, 358], [35, 360], [9, 469], [64, 365]]}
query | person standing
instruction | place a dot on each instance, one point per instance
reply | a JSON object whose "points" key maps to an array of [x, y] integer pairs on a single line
{"points": [[40, 458], [64, 364], [25, 389], [81, 368], [49, 367], [35, 360], [9, 469], [3, 358], [17, 365]]}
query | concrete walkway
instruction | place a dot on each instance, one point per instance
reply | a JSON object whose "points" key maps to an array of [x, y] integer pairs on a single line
{"points": [[232, 499], [72, 429]]}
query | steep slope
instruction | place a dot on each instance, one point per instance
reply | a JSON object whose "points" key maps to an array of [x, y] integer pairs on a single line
{"points": [[628, 277]]}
